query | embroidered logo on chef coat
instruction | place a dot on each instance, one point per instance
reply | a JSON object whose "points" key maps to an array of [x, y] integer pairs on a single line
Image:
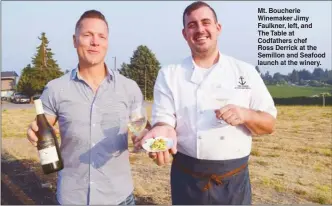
{"points": [[242, 84]]}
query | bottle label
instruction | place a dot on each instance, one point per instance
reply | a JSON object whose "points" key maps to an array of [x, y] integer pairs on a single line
{"points": [[48, 155]]}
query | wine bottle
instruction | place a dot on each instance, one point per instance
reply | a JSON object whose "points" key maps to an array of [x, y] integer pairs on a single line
{"points": [[47, 144]]}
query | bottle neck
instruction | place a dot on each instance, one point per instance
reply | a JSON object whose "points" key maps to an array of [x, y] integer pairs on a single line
{"points": [[41, 119], [39, 106], [42, 122]]}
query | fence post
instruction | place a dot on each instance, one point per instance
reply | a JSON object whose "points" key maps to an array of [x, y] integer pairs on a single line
{"points": [[323, 100]]}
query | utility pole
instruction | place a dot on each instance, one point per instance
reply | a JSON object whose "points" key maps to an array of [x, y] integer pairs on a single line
{"points": [[114, 63], [44, 55], [145, 82]]}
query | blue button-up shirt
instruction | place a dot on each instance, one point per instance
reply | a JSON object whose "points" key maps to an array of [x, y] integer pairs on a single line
{"points": [[94, 143]]}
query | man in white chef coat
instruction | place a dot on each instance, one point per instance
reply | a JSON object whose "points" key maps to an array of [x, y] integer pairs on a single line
{"points": [[211, 105]]}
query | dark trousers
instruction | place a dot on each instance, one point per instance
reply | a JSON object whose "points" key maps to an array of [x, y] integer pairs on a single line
{"points": [[187, 189]]}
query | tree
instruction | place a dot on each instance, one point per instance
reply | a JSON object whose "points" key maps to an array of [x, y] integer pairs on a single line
{"points": [[278, 78], [304, 74], [268, 78], [44, 69], [25, 85], [294, 77], [318, 74], [44, 56], [126, 71], [143, 69], [329, 77], [257, 69]]}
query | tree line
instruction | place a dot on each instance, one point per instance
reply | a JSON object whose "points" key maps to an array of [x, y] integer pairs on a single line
{"points": [[319, 77]]}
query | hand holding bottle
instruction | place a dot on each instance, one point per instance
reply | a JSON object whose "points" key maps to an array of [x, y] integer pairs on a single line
{"points": [[33, 129], [42, 135]]}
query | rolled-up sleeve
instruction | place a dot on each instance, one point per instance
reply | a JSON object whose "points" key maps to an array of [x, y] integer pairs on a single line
{"points": [[261, 98], [48, 99], [163, 109]]}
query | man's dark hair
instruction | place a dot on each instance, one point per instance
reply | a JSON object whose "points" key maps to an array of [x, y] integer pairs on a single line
{"points": [[196, 5], [91, 14]]}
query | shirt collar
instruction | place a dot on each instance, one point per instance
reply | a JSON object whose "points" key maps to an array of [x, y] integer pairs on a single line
{"points": [[194, 65], [195, 77], [75, 75]]}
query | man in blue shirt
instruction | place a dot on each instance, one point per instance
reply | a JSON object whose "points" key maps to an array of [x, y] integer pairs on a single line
{"points": [[91, 105]]}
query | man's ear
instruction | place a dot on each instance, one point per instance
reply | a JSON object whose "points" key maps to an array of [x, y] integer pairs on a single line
{"points": [[184, 34], [74, 40], [219, 28]]}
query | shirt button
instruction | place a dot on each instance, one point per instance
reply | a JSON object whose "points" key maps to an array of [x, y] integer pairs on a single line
{"points": [[199, 137], [93, 125]]}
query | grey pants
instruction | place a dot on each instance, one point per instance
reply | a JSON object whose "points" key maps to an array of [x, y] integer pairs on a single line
{"points": [[187, 189]]}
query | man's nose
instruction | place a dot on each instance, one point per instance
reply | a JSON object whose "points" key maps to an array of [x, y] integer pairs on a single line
{"points": [[200, 28], [95, 41]]}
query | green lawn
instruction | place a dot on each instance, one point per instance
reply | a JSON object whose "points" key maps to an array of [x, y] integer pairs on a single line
{"points": [[295, 91]]}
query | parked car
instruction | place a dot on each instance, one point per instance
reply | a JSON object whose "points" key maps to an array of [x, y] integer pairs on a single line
{"points": [[36, 96], [20, 98]]}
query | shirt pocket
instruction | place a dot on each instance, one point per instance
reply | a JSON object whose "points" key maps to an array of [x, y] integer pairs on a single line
{"points": [[241, 97], [224, 95]]}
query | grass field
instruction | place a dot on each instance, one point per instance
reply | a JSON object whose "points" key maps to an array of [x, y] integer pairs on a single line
{"points": [[295, 91], [291, 166]]}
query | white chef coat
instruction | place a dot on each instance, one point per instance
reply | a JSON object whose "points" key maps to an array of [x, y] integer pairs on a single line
{"points": [[185, 98]]}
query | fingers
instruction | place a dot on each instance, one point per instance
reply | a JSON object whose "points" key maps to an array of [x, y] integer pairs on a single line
{"points": [[56, 130], [137, 145], [166, 157], [34, 126], [230, 114], [152, 155], [173, 150], [232, 119], [225, 109], [137, 139], [227, 115], [236, 122], [32, 137], [222, 111], [31, 133], [160, 158]]}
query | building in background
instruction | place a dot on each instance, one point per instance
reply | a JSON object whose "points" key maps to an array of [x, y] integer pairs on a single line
{"points": [[8, 83]]}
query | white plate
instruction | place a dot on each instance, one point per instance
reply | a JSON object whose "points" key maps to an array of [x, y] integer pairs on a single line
{"points": [[147, 144]]}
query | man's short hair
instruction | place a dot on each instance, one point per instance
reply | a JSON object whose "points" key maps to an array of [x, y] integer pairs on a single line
{"points": [[194, 6], [91, 14]]}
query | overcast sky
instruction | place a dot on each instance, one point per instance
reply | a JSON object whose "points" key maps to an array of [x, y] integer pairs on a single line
{"points": [[154, 24]]}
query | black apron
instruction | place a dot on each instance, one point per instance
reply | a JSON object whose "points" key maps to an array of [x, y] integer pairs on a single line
{"points": [[207, 182]]}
